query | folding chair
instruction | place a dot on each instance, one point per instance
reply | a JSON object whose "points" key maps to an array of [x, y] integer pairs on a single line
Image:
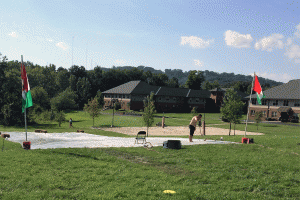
{"points": [[141, 135]]}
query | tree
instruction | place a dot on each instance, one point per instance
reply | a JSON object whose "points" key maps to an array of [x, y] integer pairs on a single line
{"points": [[117, 106], [195, 79], [64, 100], [173, 83], [194, 111], [149, 111], [60, 117], [62, 79], [232, 107], [40, 97], [258, 117], [100, 98], [11, 105], [209, 86], [83, 87], [92, 108]]}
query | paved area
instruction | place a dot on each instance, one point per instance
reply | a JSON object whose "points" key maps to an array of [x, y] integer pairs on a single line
{"points": [[84, 140]]}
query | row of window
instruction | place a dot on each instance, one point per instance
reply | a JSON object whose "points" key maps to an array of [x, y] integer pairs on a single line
{"points": [[121, 96], [166, 99], [273, 113], [275, 102]]}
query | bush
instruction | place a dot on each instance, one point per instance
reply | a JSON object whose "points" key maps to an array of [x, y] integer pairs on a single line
{"points": [[117, 106], [60, 117]]}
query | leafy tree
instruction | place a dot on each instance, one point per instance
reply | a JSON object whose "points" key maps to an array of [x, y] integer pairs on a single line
{"points": [[64, 100], [173, 83], [77, 71], [149, 111], [59, 117], [95, 78], [100, 98], [209, 86], [40, 97], [232, 108], [49, 80], [147, 76], [194, 111], [12, 104], [92, 108], [62, 79], [195, 79], [83, 87], [258, 118], [117, 106]]}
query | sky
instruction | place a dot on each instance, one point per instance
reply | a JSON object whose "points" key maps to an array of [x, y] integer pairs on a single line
{"points": [[243, 37]]}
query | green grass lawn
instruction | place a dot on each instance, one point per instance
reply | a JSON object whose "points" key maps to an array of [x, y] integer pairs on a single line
{"points": [[267, 169]]}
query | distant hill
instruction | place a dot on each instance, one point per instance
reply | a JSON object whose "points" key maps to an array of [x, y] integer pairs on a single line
{"points": [[223, 78]]}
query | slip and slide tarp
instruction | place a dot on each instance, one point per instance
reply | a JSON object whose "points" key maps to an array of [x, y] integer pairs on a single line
{"points": [[84, 140]]}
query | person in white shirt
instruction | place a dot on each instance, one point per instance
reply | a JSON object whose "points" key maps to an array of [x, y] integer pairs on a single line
{"points": [[193, 125]]}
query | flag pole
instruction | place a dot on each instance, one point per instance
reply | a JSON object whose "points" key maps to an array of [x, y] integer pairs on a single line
{"points": [[25, 106], [249, 106]]}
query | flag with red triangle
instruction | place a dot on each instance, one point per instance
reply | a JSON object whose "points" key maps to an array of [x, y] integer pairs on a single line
{"points": [[258, 90], [26, 94]]}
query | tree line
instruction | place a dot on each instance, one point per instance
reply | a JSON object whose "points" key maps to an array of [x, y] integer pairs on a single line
{"points": [[58, 89]]}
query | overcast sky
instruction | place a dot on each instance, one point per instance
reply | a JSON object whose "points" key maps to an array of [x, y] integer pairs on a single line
{"points": [[217, 35]]}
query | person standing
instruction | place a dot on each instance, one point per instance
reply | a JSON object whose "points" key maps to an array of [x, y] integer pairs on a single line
{"points": [[193, 125], [71, 122]]}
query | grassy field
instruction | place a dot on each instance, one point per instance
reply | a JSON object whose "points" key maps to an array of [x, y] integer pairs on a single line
{"points": [[267, 169]]}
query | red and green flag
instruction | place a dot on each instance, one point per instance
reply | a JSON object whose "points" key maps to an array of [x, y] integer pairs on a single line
{"points": [[258, 90], [26, 94]]}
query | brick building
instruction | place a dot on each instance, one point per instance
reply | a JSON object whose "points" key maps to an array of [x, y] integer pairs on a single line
{"points": [[218, 94], [131, 96], [280, 99]]}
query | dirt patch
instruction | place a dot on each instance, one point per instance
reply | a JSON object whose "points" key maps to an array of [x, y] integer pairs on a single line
{"points": [[175, 130]]}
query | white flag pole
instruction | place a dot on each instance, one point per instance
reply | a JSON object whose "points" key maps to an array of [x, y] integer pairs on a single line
{"points": [[25, 104], [249, 105]]}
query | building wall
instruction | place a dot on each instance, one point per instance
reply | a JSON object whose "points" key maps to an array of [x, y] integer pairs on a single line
{"points": [[123, 102], [264, 108]]}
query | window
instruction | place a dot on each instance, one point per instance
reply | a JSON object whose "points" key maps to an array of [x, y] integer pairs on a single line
{"points": [[197, 100], [264, 102], [174, 98], [252, 112], [167, 98], [123, 96], [297, 104], [190, 100], [285, 103], [264, 113], [159, 98], [275, 103], [254, 101], [274, 114]]}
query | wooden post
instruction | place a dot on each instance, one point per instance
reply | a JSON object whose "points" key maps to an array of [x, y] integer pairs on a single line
{"points": [[203, 127], [163, 122]]}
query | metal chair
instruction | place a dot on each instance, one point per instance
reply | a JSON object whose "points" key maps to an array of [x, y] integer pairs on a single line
{"points": [[141, 135]]}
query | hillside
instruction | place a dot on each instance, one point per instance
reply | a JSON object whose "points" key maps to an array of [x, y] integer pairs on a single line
{"points": [[223, 78]]}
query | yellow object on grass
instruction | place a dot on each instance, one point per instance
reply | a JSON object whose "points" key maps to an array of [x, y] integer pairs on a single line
{"points": [[169, 191]]}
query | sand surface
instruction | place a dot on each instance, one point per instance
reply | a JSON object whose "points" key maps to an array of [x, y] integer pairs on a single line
{"points": [[175, 130]]}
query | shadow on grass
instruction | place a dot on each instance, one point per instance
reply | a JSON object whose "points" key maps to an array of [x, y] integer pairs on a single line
{"points": [[77, 155], [35, 125]]}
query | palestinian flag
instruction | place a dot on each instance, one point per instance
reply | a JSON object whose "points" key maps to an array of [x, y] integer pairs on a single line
{"points": [[26, 94], [258, 90]]}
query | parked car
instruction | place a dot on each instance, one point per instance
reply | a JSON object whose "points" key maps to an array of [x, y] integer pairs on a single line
{"points": [[294, 118]]}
